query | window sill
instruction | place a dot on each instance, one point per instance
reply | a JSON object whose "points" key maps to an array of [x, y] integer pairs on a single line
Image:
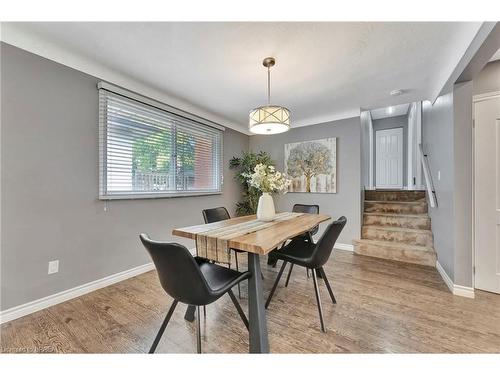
{"points": [[156, 195]]}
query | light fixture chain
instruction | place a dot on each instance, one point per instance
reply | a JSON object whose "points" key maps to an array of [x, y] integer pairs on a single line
{"points": [[268, 85]]}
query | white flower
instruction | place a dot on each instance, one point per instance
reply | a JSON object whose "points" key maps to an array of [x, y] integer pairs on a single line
{"points": [[267, 179]]}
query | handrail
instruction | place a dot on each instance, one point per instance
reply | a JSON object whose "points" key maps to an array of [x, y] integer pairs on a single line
{"points": [[429, 184]]}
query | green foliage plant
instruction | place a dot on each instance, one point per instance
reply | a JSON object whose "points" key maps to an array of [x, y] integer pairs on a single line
{"points": [[244, 165]]}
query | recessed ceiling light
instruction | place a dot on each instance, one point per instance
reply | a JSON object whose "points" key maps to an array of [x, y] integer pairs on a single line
{"points": [[396, 92]]}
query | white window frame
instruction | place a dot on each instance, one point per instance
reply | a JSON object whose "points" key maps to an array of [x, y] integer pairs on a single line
{"points": [[104, 194]]}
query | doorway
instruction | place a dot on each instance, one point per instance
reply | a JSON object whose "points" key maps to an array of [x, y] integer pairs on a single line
{"points": [[389, 158], [408, 118], [487, 192]]}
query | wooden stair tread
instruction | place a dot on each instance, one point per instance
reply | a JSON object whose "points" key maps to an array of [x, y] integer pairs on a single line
{"points": [[398, 229], [395, 245], [396, 215], [398, 202], [396, 226], [389, 190]]}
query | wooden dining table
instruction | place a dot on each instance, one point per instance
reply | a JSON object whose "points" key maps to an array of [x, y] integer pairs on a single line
{"points": [[257, 243]]}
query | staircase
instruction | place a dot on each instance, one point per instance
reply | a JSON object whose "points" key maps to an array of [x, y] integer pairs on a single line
{"points": [[396, 226]]}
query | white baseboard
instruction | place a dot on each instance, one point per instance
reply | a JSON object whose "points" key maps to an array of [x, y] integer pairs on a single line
{"points": [[458, 290], [344, 246], [447, 280], [54, 299], [43, 303]]}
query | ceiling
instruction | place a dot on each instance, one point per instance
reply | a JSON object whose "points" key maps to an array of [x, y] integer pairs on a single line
{"points": [[391, 111], [496, 56], [324, 71]]}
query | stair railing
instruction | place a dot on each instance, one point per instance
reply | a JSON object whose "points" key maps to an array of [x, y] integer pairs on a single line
{"points": [[429, 184]]}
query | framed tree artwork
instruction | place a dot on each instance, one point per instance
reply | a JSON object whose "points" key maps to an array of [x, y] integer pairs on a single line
{"points": [[312, 166]]}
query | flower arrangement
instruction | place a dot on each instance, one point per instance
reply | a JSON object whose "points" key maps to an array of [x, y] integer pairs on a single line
{"points": [[268, 180], [243, 165]]}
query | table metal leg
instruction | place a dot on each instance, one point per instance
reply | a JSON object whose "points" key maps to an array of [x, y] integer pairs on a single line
{"points": [[189, 315], [257, 313]]}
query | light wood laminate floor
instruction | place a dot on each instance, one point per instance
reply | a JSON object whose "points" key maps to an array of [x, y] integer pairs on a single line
{"points": [[382, 307]]}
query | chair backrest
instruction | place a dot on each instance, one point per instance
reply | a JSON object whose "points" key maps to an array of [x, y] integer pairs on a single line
{"points": [[325, 244], [178, 271], [307, 209], [211, 215]]}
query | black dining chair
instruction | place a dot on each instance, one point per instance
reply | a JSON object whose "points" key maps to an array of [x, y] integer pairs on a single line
{"points": [[308, 236], [311, 256], [191, 280], [212, 215], [307, 209]]}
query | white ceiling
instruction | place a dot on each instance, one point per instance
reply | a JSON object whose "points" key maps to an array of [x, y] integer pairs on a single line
{"points": [[496, 56], [391, 111], [324, 71]]}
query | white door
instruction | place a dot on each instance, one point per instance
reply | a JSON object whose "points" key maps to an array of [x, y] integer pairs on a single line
{"points": [[487, 193], [389, 158]]}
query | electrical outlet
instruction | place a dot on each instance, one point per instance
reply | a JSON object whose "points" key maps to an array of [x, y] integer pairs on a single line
{"points": [[439, 175], [53, 266]]}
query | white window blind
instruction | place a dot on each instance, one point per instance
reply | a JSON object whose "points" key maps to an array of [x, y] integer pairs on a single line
{"points": [[148, 152]]}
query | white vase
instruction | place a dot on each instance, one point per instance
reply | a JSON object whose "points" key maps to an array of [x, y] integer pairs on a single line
{"points": [[265, 209]]}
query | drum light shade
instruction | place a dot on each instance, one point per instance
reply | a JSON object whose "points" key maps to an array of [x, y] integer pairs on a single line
{"points": [[269, 119]]}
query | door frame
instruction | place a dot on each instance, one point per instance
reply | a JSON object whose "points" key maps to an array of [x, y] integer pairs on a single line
{"points": [[414, 165], [400, 129], [476, 99]]}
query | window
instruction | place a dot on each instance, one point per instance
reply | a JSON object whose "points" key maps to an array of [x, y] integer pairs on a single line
{"points": [[147, 151]]}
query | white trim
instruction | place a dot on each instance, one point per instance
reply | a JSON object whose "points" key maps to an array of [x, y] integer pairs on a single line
{"points": [[475, 99], [447, 280], [465, 58], [344, 246], [101, 85], [458, 290], [54, 299], [412, 127], [14, 35], [485, 96], [139, 195], [473, 162], [319, 120], [371, 156], [418, 182], [463, 291]]}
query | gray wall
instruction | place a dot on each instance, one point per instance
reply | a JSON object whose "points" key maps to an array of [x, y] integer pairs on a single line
{"points": [[488, 79], [49, 182], [391, 123], [437, 141], [462, 143], [447, 140], [447, 136], [347, 199], [366, 124]]}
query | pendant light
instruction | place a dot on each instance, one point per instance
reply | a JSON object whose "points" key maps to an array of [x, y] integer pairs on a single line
{"points": [[269, 119]]}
